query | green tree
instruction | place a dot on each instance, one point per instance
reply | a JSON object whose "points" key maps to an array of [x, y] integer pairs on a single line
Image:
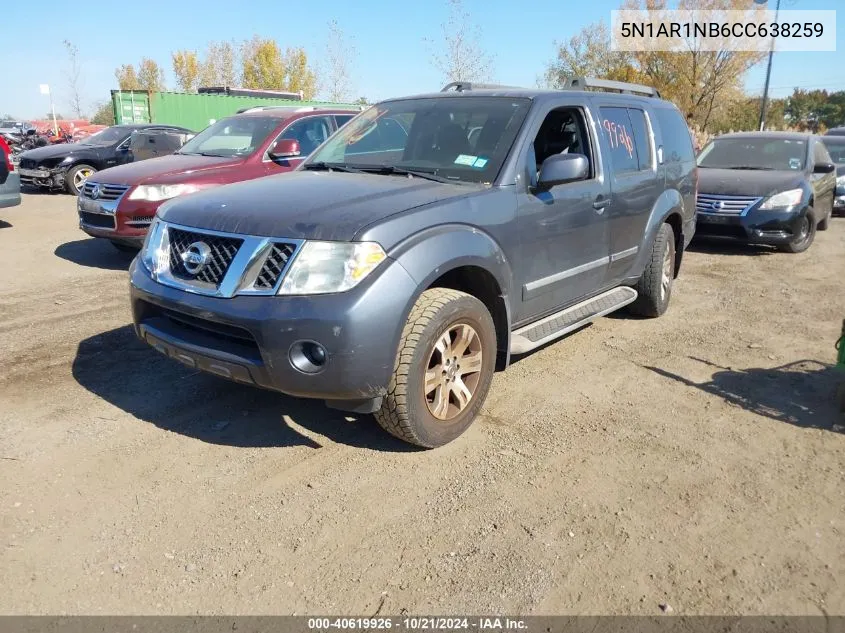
{"points": [[186, 68], [104, 114], [587, 53]]}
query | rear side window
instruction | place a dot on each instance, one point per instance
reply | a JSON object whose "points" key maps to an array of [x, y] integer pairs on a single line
{"points": [[617, 129], [642, 140], [677, 142]]}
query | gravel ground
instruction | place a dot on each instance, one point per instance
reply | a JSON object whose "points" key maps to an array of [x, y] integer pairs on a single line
{"points": [[696, 460]]}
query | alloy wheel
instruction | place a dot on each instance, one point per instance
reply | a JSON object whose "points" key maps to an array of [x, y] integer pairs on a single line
{"points": [[453, 371]]}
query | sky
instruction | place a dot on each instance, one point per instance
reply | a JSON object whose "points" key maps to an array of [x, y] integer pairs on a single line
{"points": [[392, 58]]}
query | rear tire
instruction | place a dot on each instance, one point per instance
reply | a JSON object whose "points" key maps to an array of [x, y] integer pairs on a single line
{"points": [[654, 287], [431, 399], [805, 237]]}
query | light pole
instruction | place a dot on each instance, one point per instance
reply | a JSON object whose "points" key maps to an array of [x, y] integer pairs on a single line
{"points": [[45, 90], [765, 102]]}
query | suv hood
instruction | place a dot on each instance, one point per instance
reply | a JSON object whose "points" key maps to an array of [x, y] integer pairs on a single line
{"points": [[56, 151], [306, 204], [747, 182], [165, 169]]}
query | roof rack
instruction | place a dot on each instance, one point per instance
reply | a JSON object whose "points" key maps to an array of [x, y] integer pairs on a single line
{"points": [[584, 83], [462, 86]]}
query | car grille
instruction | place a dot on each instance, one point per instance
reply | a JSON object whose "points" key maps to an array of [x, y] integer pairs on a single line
{"points": [[726, 205], [27, 163], [97, 219], [140, 220], [275, 263], [107, 192], [222, 252]]}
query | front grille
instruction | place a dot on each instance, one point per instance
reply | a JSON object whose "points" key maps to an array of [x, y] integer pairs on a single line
{"points": [[727, 205], [107, 192], [144, 220], [27, 163], [273, 266], [97, 219], [222, 252]]}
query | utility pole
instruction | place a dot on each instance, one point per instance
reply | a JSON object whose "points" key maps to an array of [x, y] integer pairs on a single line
{"points": [[45, 90], [765, 102]]}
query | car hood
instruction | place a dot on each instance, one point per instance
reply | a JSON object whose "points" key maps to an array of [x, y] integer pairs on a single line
{"points": [[307, 205], [56, 151], [165, 169], [747, 182]]}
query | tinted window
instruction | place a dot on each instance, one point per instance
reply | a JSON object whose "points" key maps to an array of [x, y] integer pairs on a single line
{"points": [[677, 142], [438, 136], [836, 148], [342, 119], [642, 141], [309, 132], [108, 136], [820, 154], [616, 127]]}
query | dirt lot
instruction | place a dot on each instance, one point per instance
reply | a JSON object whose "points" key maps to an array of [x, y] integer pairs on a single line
{"points": [[695, 460]]}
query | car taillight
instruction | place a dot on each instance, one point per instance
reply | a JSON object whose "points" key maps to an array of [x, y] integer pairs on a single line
{"points": [[7, 153]]}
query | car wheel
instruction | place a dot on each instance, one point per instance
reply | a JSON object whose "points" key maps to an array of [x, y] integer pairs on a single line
{"points": [[824, 224], [654, 287], [443, 369], [76, 177], [805, 236], [124, 248]]}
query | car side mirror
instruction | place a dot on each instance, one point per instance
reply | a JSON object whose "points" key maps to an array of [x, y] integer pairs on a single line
{"points": [[824, 168], [560, 169], [284, 148]]}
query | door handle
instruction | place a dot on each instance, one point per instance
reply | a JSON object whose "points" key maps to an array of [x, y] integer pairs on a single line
{"points": [[601, 203]]}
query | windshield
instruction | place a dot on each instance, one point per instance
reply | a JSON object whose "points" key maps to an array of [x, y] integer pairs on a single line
{"points": [[754, 153], [236, 136], [836, 149], [455, 138], [109, 136]]}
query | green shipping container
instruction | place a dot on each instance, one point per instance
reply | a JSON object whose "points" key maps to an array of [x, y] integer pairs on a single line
{"points": [[193, 111]]}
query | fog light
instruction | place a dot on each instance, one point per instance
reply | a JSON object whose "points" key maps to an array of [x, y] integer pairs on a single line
{"points": [[308, 357]]}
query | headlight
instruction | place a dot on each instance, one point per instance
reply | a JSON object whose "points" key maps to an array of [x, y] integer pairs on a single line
{"points": [[155, 255], [783, 199], [324, 267], [155, 193]]}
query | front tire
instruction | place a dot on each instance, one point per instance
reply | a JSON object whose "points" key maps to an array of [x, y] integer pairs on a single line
{"points": [[654, 287], [76, 177], [443, 371], [806, 235]]}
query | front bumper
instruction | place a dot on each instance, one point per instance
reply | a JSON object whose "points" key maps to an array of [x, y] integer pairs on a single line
{"points": [[248, 339], [122, 220], [43, 177], [754, 227]]}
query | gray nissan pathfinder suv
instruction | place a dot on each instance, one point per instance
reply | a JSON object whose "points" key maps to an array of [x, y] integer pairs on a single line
{"points": [[424, 244]]}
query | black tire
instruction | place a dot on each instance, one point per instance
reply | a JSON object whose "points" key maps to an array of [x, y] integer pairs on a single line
{"points": [[405, 411], [825, 223], [71, 174], [805, 237], [653, 298], [124, 248]]}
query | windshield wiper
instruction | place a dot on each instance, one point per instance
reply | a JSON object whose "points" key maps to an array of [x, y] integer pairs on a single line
{"points": [[393, 170], [324, 166]]}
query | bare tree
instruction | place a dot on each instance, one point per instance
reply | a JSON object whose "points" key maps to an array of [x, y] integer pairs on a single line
{"points": [[459, 55], [340, 54], [74, 79]]}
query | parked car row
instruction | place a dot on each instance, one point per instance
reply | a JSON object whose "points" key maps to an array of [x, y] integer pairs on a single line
{"points": [[388, 262]]}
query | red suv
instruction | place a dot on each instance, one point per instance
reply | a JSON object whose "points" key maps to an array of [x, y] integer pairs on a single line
{"points": [[119, 203]]}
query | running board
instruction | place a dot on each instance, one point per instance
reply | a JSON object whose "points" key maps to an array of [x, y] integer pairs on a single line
{"points": [[551, 327]]}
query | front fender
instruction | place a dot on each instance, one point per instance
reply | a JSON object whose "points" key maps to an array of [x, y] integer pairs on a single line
{"points": [[670, 202]]}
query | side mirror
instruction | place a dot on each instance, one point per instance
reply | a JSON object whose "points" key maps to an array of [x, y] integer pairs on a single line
{"points": [[284, 148], [824, 168], [560, 169]]}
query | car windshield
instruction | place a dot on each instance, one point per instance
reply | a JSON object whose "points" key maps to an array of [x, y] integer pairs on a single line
{"points": [[235, 136], [836, 148], [109, 136], [10, 124], [450, 138], [754, 153]]}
